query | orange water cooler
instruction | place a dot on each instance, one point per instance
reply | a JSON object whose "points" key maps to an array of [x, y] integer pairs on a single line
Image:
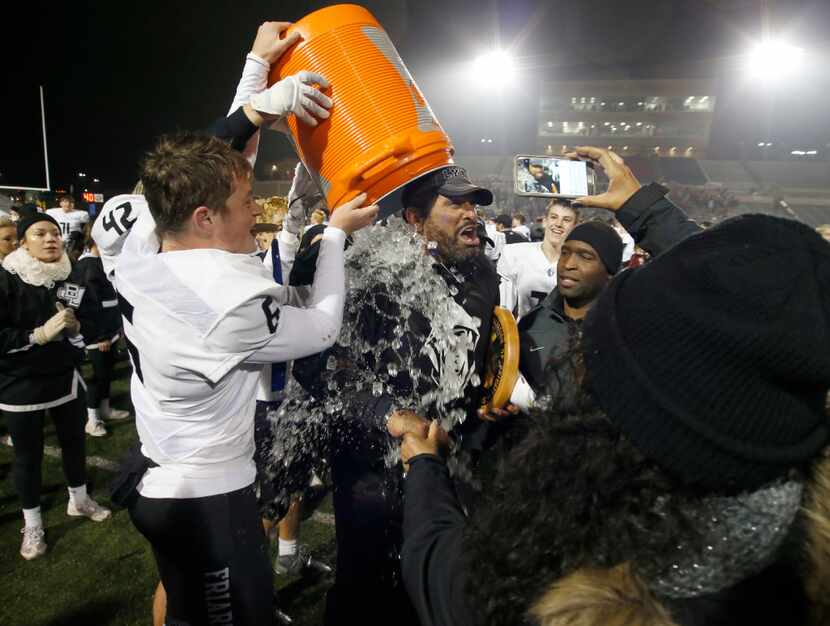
{"points": [[381, 133]]}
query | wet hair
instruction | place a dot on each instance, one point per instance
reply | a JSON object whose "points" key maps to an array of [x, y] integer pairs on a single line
{"points": [[574, 492]]}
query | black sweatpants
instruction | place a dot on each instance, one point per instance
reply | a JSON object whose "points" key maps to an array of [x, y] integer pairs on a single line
{"points": [[26, 430], [98, 387], [368, 526], [212, 557]]}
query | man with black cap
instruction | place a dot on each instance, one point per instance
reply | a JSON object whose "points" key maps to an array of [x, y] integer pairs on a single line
{"points": [[441, 206]]}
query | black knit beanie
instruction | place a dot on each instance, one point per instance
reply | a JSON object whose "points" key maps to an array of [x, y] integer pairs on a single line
{"points": [[602, 238], [714, 359], [28, 218]]}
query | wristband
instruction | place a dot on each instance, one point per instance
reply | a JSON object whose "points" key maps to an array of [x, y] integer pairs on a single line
{"points": [[258, 59]]}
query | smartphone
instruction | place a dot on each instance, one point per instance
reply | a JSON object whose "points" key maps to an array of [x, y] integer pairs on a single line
{"points": [[553, 177]]}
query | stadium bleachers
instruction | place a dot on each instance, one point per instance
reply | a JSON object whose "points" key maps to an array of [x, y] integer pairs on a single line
{"points": [[642, 168], [792, 173], [730, 173]]}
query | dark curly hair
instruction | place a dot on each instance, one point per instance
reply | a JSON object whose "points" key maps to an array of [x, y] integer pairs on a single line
{"points": [[573, 493]]}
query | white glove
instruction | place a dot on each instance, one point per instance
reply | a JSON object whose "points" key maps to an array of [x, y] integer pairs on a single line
{"points": [[296, 95], [303, 195], [54, 326]]}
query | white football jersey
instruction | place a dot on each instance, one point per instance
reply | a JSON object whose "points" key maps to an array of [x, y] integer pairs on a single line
{"points": [[72, 222], [109, 231], [526, 276], [499, 241], [523, 230], [199, 326]]}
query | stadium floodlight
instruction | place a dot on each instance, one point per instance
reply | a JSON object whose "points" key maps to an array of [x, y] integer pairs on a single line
{"points": [[773, 59], [497, 67]]}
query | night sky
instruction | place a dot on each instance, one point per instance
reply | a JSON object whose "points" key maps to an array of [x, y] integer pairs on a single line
{"points": [[118, 74]]}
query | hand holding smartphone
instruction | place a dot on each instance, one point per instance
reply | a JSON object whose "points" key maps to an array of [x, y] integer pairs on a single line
{"points": [[553, 177]]}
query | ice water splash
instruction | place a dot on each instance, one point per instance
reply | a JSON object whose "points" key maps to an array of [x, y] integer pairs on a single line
{"points": [[403, 336]]}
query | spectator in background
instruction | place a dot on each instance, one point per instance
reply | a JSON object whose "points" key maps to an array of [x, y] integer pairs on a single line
{"points": [[289, 262], [8, 237], [69, 219], [264, 235], [75, 245], [503, 225], [628, 240], [494, 239], [19, 211], [520, 226], [100, 328], [537, 229], [318, 217], [528, 270], [824, 231], [39, 371]]}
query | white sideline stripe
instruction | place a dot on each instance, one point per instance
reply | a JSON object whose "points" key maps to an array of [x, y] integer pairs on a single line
{"points": [[111, 466]]}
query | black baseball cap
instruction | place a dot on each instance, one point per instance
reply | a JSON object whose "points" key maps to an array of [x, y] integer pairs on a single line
{"points": [[451, 181]]}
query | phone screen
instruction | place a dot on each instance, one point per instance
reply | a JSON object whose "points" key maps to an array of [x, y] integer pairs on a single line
{"points": [[552, 176]]}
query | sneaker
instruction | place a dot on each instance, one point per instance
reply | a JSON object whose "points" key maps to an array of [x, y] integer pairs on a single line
{"points": [[33, 544], [90, 508], [295, 564], [95, 428], [117, 414]]}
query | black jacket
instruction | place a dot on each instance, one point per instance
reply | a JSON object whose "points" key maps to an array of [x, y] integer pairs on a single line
{"points": [[434, 570], [545, 331], [433, 526], [98, 312], [31, 375]]}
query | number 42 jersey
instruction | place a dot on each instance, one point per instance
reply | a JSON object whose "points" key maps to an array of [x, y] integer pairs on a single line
{"points": [[200, 324]]}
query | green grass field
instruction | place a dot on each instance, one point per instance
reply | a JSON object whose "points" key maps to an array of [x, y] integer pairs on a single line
{"points": [[98, 574]]}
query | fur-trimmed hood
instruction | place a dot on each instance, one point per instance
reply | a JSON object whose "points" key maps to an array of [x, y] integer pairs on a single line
{"points": [[619, 597]]}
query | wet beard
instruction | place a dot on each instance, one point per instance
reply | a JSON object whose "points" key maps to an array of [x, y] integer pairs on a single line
{"points": [[449, 249]]}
